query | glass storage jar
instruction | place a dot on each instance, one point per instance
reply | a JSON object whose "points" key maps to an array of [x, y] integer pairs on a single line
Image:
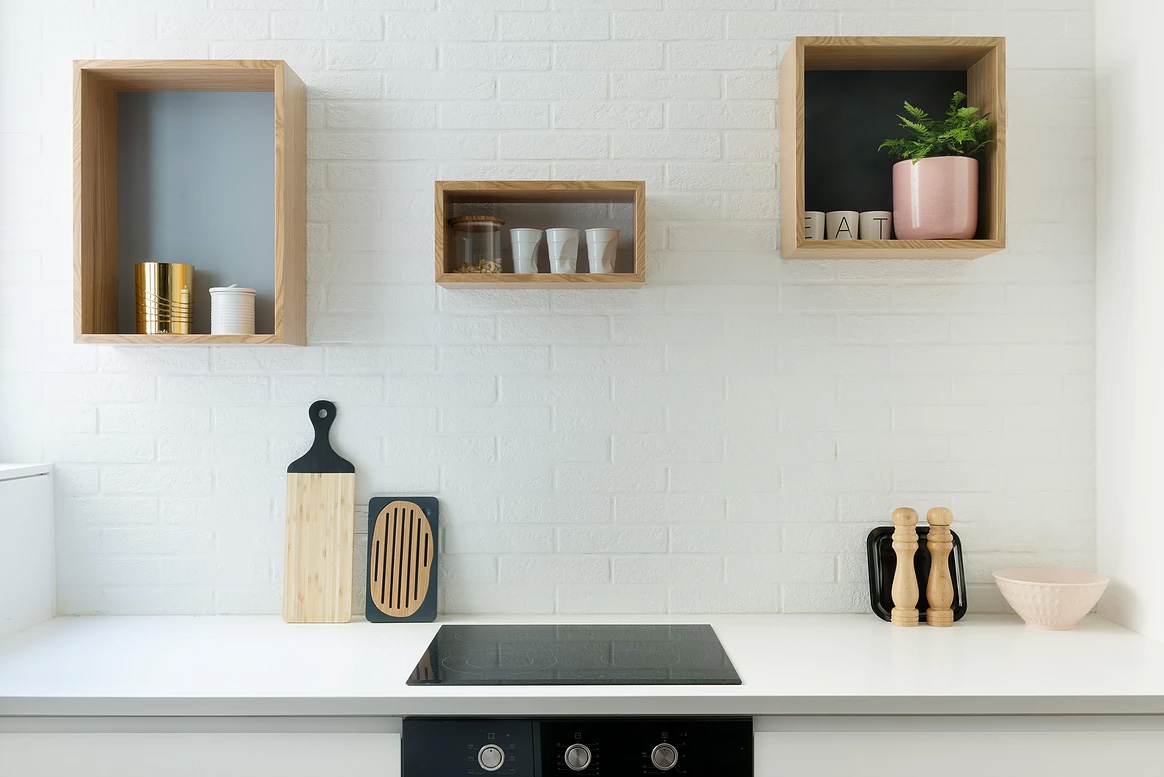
{"points": [[478, 243]]}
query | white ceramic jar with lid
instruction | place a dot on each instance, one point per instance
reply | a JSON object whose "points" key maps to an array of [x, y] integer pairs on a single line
{"points": [[232, 310]]}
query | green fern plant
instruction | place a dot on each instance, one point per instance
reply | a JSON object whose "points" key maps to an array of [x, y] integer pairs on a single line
{"points": [[961, 133]]}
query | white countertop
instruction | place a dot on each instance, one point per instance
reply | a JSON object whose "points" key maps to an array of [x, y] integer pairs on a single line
{"points": [[16, 471], [790, 664]]}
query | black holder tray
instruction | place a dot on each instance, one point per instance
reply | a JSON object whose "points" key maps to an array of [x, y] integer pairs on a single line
{"points": [[883, 563]]}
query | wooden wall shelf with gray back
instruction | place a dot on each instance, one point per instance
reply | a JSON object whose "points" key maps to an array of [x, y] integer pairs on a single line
{"points": [[200, 162], [541, 205], [840, 97]]}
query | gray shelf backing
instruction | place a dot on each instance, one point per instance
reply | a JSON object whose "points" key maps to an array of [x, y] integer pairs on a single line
{"points": [[196, 184]]}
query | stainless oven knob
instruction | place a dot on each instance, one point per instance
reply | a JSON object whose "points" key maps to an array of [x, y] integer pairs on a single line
{"points": [[577, 757], [664, 756], [490, 758]]}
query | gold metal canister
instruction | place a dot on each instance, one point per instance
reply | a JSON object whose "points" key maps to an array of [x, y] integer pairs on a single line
{"points": [[165, 298]]}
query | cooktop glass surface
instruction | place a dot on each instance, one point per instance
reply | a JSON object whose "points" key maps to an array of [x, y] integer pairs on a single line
{"points": [[575, 655]]}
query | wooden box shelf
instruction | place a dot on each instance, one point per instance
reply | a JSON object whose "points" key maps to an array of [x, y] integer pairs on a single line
{"points": [[839, 98], [159, 177], [542, 205]]}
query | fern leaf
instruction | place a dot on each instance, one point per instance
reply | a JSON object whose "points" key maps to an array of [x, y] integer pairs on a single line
{"points": [[917, 127], [916, 112], [964, 131]]}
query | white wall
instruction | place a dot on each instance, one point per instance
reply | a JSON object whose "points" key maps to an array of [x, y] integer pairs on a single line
{"points": [[1130, 343], [720, 440]]}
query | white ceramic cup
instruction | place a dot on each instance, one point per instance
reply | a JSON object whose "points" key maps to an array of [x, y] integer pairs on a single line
{"points": [[876, 225], [562, 243], [232, 311], [842, 224], [525, 249], [602, 249], [814, 225]]}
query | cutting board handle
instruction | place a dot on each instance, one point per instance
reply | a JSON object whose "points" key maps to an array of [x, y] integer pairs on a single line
{"points": [[321, 457]]}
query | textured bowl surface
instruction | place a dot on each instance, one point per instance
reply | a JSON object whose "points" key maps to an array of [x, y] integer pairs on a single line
{"points": [[1055, 599]]}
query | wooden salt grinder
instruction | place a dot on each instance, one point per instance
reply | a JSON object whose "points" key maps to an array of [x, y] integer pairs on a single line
{"points": [[940, 588], [905, 577]]}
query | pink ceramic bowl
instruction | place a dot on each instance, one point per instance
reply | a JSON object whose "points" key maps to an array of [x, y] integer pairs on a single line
{"points": [[1054, 599]]}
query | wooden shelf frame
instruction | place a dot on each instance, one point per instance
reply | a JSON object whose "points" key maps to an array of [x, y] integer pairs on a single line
{"points": [[447, 194], [135, 339], [96, 84], [984, 61]]}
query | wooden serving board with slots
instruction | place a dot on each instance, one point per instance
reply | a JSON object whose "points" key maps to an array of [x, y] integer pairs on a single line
{"points": [[402, 559]]}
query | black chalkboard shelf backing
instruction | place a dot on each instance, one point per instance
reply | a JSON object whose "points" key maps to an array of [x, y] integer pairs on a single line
{"points": [[839, 99]]}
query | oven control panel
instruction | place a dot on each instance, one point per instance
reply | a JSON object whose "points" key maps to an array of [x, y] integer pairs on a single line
{"points": [[502, 748], [589, 747], [573, 747]]}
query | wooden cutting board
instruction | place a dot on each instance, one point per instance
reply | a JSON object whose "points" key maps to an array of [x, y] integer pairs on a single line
{"points": [[321, 494], [402, 559]]}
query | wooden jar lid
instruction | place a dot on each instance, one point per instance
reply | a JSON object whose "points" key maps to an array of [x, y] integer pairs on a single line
{"points": [[477, 221]]}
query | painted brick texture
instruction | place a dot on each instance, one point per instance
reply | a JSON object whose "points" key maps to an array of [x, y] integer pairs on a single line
{"points": [[718, 441]]}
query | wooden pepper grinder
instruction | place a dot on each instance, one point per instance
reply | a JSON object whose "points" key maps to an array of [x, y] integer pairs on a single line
{"points": [[905, 577], [940, 588]]}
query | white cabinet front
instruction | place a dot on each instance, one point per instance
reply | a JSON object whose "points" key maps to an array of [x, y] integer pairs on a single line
{"points": [[199, 754], [27, 578], [959, 754]]}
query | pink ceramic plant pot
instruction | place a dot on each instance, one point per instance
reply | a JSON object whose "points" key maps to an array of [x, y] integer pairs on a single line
{"points": [[935, 198]]}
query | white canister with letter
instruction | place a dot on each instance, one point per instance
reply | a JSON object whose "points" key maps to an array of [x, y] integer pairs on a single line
{"points": [[876, 225], [842, 224]]}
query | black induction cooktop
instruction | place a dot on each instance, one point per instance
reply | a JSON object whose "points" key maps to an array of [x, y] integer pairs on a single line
{"points": [[575, 655]]}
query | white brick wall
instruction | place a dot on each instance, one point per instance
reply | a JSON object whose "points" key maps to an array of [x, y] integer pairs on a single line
{"points": [[720, 440]]}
